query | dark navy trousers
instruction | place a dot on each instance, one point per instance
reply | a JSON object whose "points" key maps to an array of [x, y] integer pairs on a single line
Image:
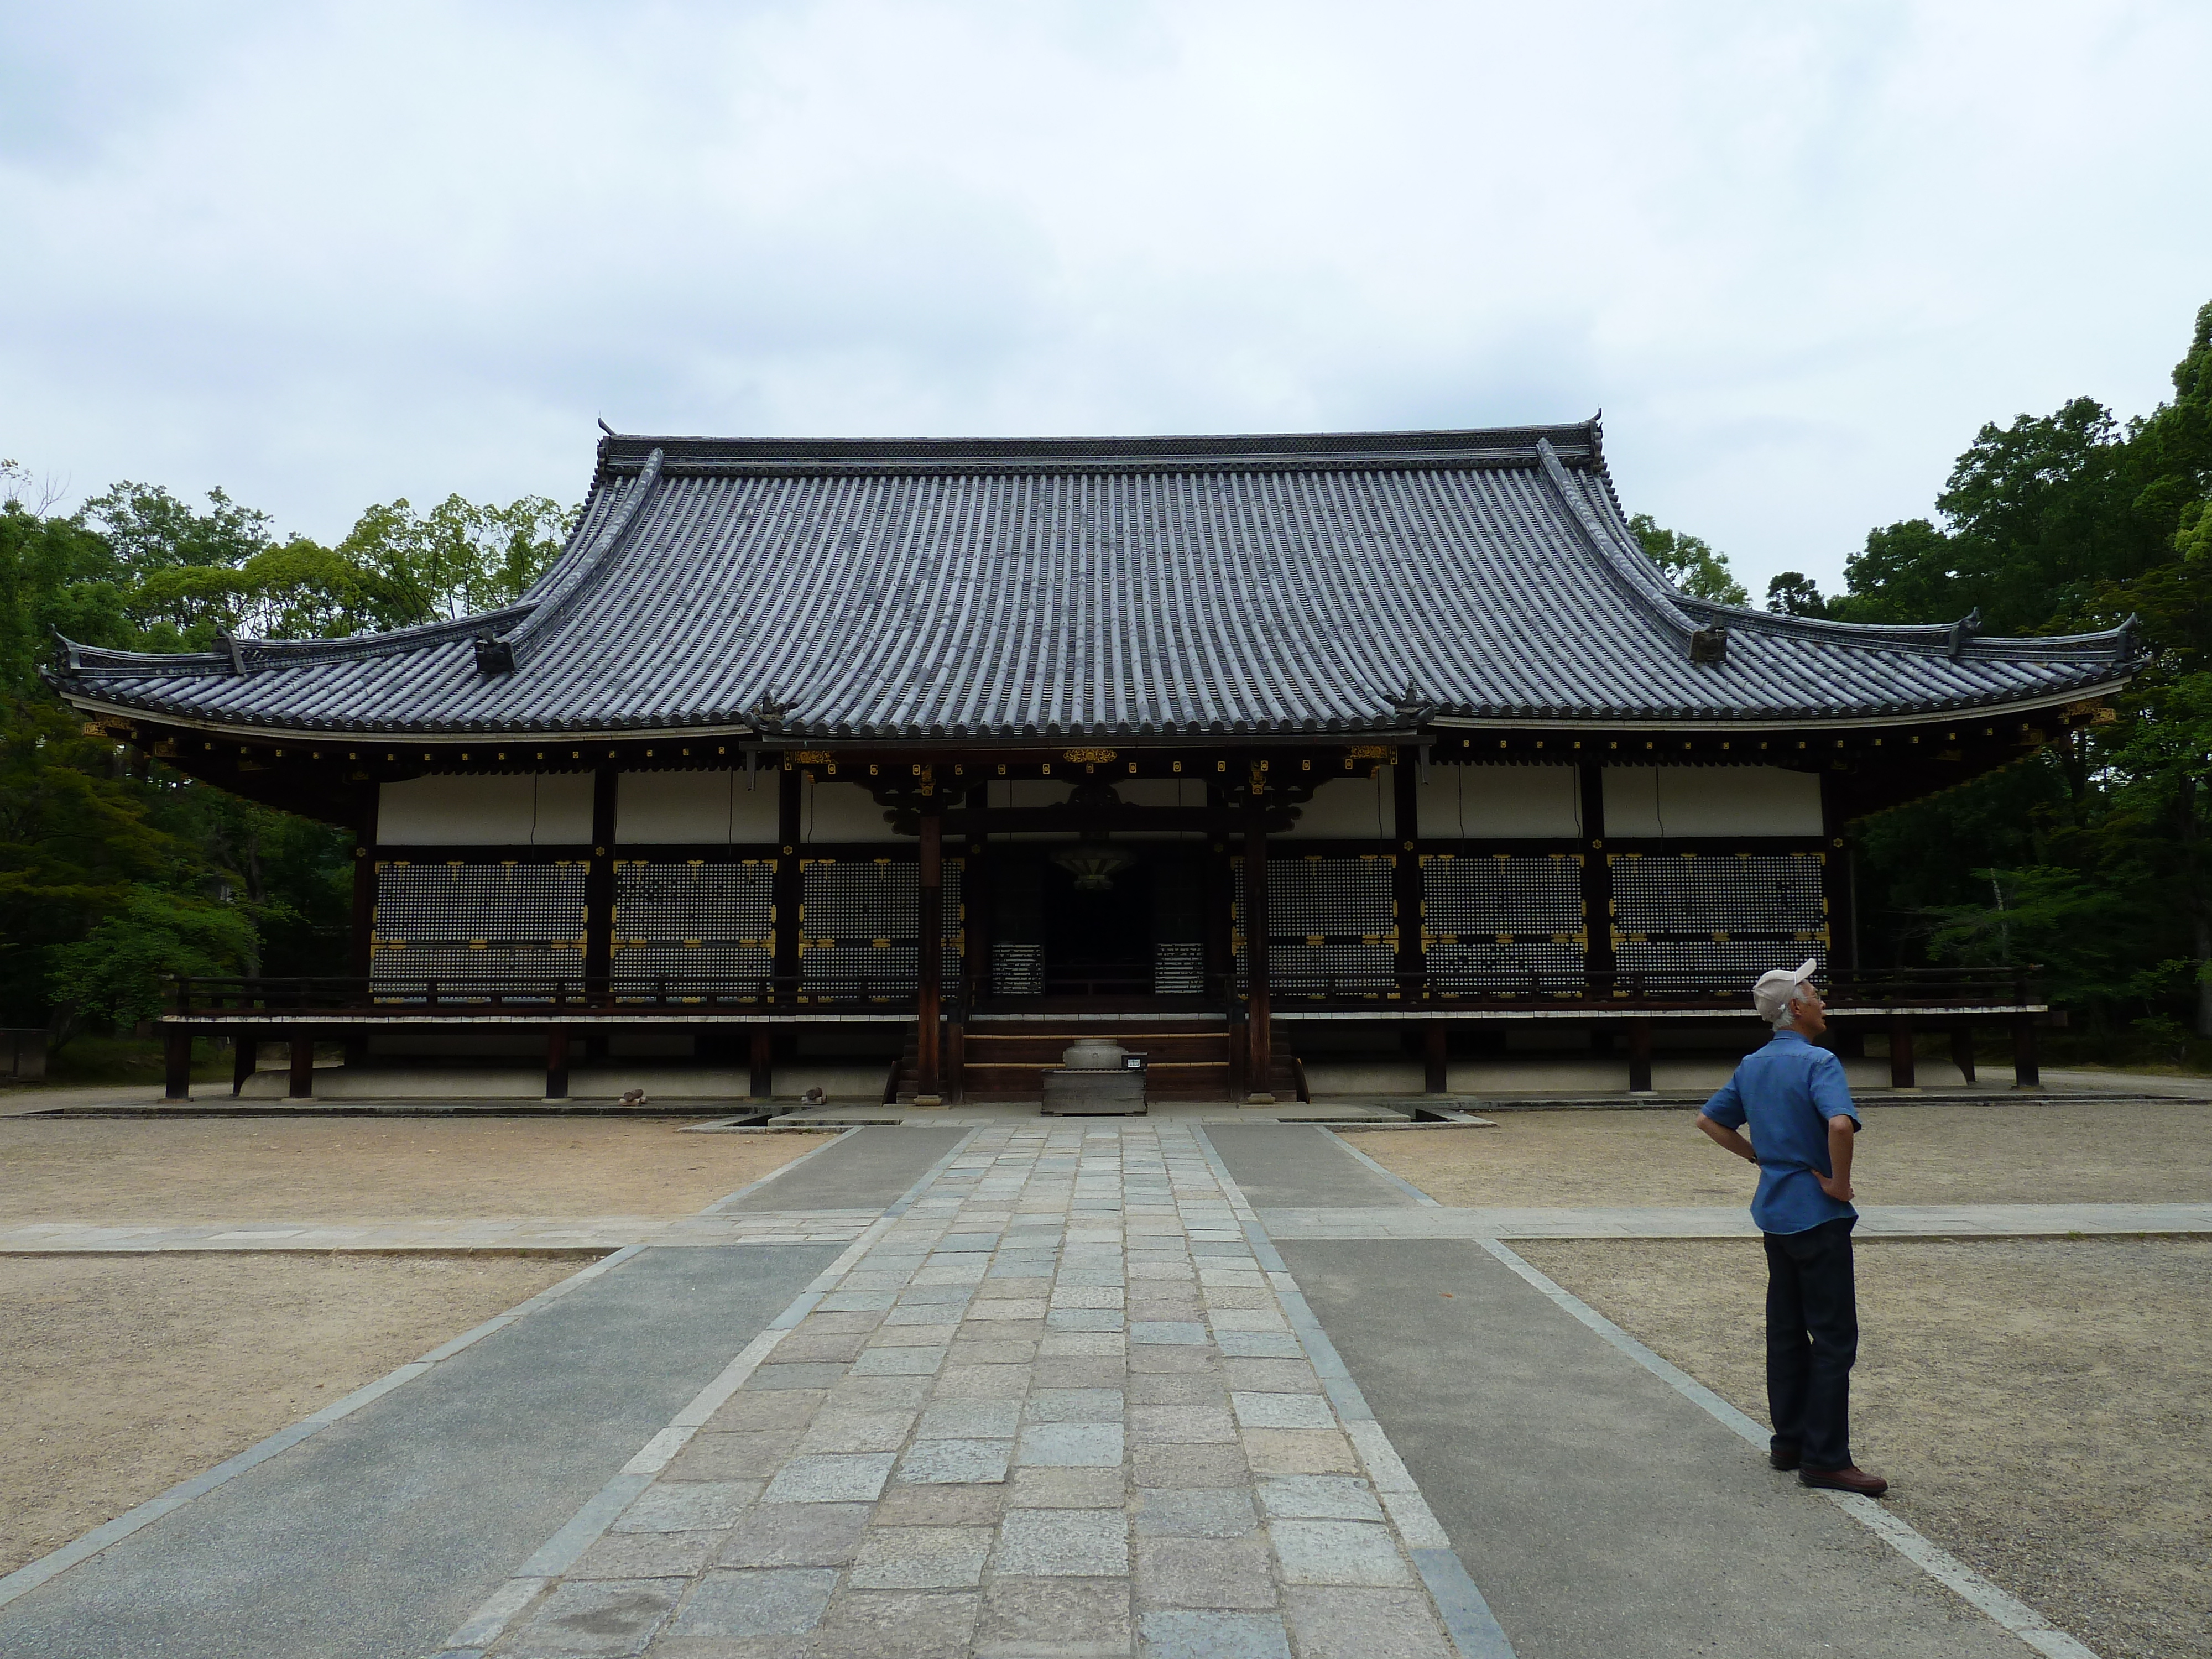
{"points": [[1811, 1338]]}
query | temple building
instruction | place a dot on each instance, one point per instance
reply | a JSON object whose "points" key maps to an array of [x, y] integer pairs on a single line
{"points": [[1374, 762]]}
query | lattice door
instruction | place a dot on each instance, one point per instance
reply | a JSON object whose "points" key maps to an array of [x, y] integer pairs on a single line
{"points": [[1332, 927], [703, 927], [1710, 923], [477, 922], [1504, 924], [860, 929]]}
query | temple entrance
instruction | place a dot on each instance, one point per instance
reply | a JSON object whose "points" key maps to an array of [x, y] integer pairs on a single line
{"points": [[1098, 940], [1070, 923]]}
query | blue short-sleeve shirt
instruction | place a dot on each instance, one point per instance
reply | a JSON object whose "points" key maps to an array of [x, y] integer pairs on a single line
{"points": [[1787, 1091]]}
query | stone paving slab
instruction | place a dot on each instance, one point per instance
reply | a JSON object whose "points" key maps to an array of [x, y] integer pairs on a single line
{"points": [[513, 1234], [1876, 1221], [1070, 1414]]}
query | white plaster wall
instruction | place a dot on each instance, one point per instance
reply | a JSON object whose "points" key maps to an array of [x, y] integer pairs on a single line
{"points": [[831, 811], [552, 809], [1501, 800], [694, 806], [1348, 809], [1662, 801]]}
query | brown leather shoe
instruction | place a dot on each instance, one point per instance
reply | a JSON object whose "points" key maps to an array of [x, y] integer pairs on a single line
{"points": [[1783, 1457], [1847, 1479]]}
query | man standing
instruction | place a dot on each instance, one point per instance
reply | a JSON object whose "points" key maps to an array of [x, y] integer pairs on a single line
{"points": [[1802, 1127]]}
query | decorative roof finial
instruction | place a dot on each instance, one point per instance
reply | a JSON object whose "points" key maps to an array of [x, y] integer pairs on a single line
{"points": [[609, 430]]}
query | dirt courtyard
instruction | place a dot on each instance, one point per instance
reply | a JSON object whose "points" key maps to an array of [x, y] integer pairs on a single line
{"points": [[121, 1376], [345, 1169], [2034, 1151]]}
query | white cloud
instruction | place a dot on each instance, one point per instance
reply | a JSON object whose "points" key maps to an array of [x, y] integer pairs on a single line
{"points": [[323, 258]]}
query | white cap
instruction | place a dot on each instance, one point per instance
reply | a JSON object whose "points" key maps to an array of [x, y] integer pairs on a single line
{"points": [[1770, 996]]}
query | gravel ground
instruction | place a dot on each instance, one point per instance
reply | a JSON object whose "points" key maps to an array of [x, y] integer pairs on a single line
{"points": [[332, 1168], [120, 1376], [2039, 1405], [2032, 1152]]}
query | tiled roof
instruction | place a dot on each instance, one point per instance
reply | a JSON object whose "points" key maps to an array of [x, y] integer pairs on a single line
{"points": [[1127, 587]]}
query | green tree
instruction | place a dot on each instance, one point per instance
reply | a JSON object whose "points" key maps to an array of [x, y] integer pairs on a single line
{"points": [[116, 972], [1794, 594], [1689, 562]]}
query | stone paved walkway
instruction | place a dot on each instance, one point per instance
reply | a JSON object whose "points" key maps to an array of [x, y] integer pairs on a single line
{"points": [[1057, 1407], [1901, 1221]]}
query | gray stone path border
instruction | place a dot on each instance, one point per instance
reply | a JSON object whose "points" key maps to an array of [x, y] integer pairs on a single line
{"points": [[2007, 1611], [1896, 1222], [28, 1577], [1468, 1621], [1939, 1564], [562, 1550]]}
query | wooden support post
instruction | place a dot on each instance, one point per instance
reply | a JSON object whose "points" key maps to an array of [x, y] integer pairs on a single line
{"points": [[176, 1062], [1260, 1059], [2026, 1073], [1405, 882], [1597, 884], [302, 1085], [1434, 1053], [245, 1056], [362, 936], [1962, 1048], [761, 1084], [557, 1063], [599, 891], [789, 889], [1639, 1056], [929, 923], [1900, 1052], [955, 1079]]}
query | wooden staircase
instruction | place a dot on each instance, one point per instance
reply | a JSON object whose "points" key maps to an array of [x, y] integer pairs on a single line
{"points": [[1185, 1059]]}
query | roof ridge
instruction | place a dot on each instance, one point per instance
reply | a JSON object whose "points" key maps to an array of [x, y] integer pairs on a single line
{"points": [[1944, 639], [564, 585], [1631, 568], [252, 654], [1493, 445]]}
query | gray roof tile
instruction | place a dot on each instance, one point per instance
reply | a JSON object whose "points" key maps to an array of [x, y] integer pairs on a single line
{"points": [[1130, 587]]}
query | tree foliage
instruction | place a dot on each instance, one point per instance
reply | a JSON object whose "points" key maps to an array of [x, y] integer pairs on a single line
{"points": [[114, 870], [1689, 562]]}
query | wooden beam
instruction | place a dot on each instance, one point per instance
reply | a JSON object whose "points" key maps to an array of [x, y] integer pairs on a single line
{"points": [[761, 1084], [789, 888], [1405, 893], [929, 978], [1259, 1066], [1639, 1056], [1597, 881], [176, 1062], [599, 886], [2026, 1073], [302, 1085], [557, 1063], [1901, 1073], [1435, 1068]]}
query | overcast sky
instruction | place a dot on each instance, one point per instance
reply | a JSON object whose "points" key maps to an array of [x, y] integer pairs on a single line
{"points": [[327, 256]]}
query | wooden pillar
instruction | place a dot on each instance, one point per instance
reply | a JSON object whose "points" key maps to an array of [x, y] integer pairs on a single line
{"points": [[789, 889], [1900, 1052], [245, 1056], [1435, 1050], [1220, 967], [361, 935], [1406, 885], [761, 1084], [599, 890], [1842, 961], [176, 1062], [557, 1063], [1639, 1056], [929, 977], [2026, 1073], [1597, 884], [977, 891], [1962, 1047], [302, 1085], [1258, 1041]]}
